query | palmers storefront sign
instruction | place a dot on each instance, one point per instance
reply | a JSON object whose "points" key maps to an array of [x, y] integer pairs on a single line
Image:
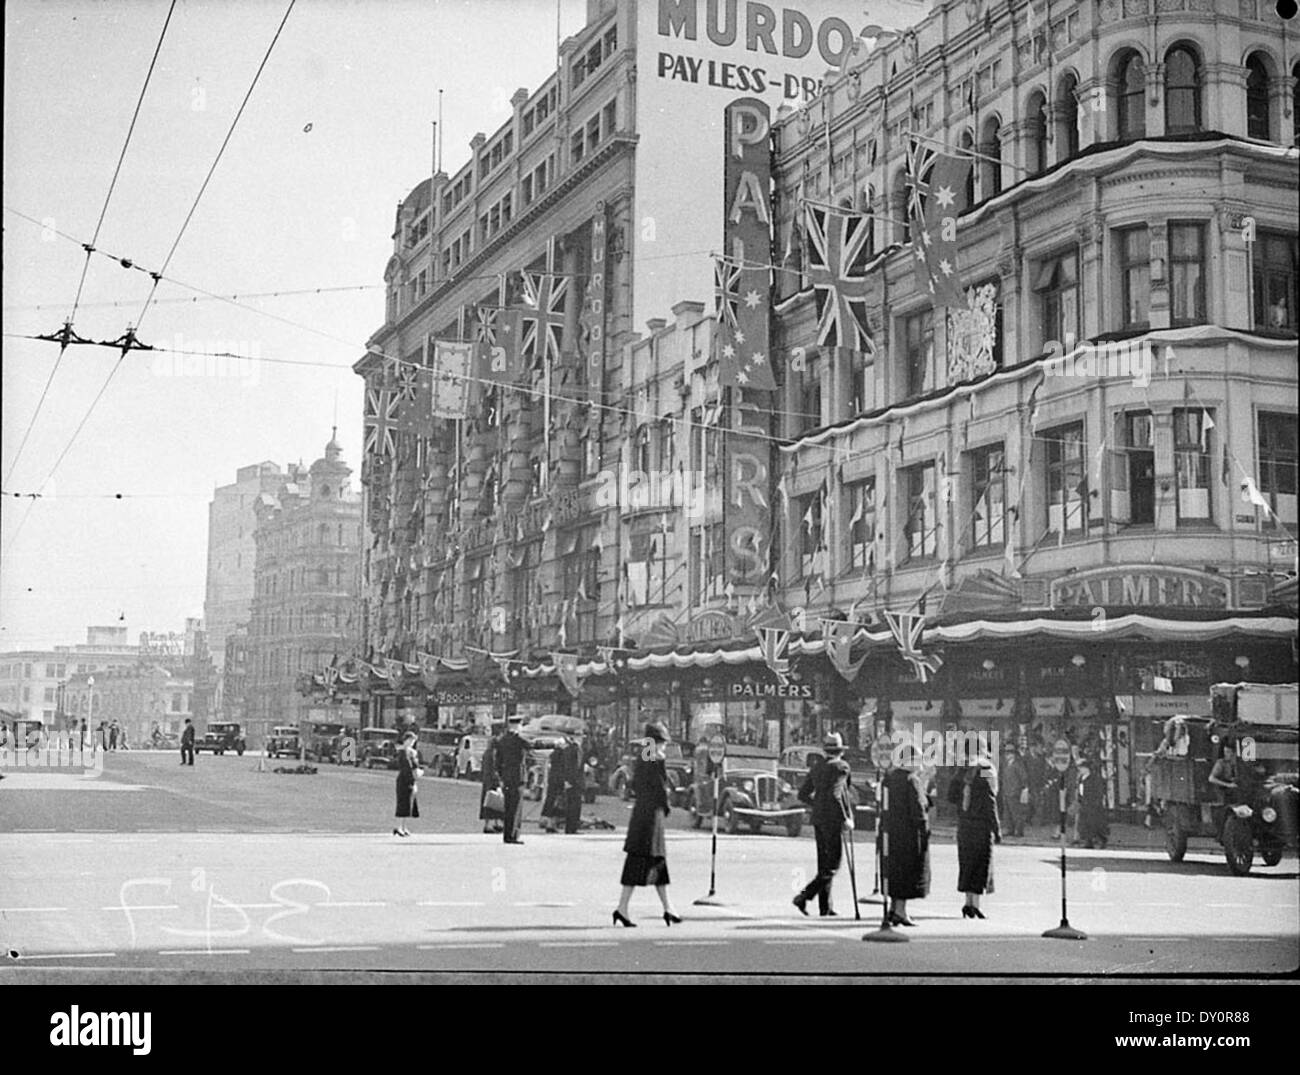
{"points": [[771, 690], [1141, 587]]}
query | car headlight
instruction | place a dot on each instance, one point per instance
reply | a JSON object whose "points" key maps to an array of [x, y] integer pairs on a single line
{"points": [[1269, 814], [747, 785], [1242, 811], [786, 789]]}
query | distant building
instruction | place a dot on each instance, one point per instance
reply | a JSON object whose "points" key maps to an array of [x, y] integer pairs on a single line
{"points": [[308, 554], [140, 697], [30, 680], [231, 551]]}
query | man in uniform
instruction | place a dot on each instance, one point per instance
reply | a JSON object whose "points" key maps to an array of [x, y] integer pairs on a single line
{"points": [[512, 770]]}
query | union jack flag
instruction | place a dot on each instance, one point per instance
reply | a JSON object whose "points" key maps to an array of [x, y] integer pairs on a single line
{"points": [[773, 643], [380, 421], [906, 627], [920, 163], [837, 258], [545, 296], [726, 289]]}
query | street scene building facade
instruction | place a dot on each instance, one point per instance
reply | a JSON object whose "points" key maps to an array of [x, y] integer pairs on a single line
{"points": [[1044, 478], [32, 681], [303, 610]]}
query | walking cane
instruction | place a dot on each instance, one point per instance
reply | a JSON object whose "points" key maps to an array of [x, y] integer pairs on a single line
{"points": [[853, 873]]}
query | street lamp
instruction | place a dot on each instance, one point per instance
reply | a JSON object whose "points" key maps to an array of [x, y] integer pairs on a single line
{"points": [[90, 705]]}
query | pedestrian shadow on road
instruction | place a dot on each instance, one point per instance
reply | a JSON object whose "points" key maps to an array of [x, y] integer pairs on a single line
{"points": [[1187, 868]]}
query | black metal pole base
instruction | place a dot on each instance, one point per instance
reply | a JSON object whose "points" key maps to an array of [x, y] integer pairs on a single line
{"points": [[1066, 932], [711, 900], [886, 934]]}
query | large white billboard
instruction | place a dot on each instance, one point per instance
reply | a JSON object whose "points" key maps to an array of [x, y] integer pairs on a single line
{"points": [[693, 58]]}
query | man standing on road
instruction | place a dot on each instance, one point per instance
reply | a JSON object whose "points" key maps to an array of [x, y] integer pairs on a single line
{"points": [[1015, 790], [187, 743], [574, 783], [512, 770], [826, 790]]}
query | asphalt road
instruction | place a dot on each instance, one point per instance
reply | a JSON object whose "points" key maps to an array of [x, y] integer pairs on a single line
{"points": [[222, 867]]}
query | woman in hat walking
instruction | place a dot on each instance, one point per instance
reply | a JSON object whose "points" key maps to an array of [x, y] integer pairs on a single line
{"points": [[408, 768], [906, 823], [975, 794], [826, 790], [493, 818], [646, 862]]}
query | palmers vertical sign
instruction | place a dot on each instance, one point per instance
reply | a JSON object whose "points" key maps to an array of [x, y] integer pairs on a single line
{"points": [[692, 57], [747, 183]]}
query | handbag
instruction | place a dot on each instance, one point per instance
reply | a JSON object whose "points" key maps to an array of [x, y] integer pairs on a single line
{"points": [[495, 799]]}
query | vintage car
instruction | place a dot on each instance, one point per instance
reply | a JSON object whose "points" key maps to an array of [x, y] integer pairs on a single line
{"points": [[220, 737], [679, 765], [1260, 812], [377, 747], [437, 749], [327, 741], [749, 793], [283, 742], [469, 756], [795, 762]]}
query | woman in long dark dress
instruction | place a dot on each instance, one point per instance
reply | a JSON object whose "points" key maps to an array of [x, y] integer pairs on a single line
{"points": [[553, 803], [975, 794], [906, 824], [408, 768], [646, 862], [493, 820]]}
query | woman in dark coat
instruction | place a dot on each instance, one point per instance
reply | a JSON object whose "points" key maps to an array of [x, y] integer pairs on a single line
{"points": [[906, 825], [553, 804], [408, 768], [493, 820], [1093, 826], [975, 794], [646, 862]]}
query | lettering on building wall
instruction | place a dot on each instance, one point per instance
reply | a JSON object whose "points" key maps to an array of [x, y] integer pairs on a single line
{"points": [[1139, 588]]}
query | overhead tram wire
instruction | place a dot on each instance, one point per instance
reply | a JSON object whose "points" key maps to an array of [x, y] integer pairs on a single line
{"points": [[90, 247], [128, 338]]}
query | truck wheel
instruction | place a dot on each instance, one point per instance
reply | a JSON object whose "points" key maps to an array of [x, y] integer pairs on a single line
{"points": [[756, 826], [1270, 852], [733, 821], [1238, 845], [239, 751], [1175, 834], [794, 826]]}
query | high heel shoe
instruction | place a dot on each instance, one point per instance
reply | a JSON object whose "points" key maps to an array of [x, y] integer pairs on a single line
{"points": [[671, 919], [896, 919], [620, 920], [976, 912], [968, 911]]}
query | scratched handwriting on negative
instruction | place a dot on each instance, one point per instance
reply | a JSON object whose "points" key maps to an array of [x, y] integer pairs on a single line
{"points": [[221, 919]]}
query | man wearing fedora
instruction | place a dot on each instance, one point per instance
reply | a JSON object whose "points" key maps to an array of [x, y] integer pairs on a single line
{"points": [[826, 790], [511, 756]]}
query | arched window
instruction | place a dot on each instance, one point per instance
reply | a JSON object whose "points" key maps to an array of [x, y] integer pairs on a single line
{"points": [[1182, 91], [968, 144], [1067, 130], [867, 206], [1036, 118], [1257, 85], [898, 208], [991, 162], [1132, 102]]}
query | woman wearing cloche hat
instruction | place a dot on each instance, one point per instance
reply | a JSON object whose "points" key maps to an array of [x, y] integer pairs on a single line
{"points": [[975, 794], [647, 862]]}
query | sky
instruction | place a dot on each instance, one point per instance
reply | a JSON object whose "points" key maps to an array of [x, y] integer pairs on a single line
{"points": [[337, 131]]}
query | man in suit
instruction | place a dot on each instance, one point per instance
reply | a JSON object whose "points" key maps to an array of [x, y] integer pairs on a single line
{"points": [[826, 790], [574, 783], [187, 743], [512, 770]]}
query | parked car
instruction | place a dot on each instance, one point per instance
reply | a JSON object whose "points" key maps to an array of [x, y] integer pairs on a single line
{"points": [[679, 765], [284, 741], [222, 736], [377, 747], [437, 748], [324, 742], [469, 756], [793, 768], [750, 793]]}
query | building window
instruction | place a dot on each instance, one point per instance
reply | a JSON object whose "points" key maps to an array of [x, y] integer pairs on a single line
{"points": [[810, 396], [1058, 291], [707, 558], [647, 569], [968, 145], [1133, 469], [1192, 455], [609, 118], [1277, 465], [991, 162], [1066, 480], [918, 352], [1182, 91], [1132, 98], [863, 383], [1068, 125], [577, 147], [1274, 259], [1187, 274], [860, 504], [1135, 276], [921, 525], [526, 189], [1037, 122], [988, 497], [1258, 123], [810, 521]]}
